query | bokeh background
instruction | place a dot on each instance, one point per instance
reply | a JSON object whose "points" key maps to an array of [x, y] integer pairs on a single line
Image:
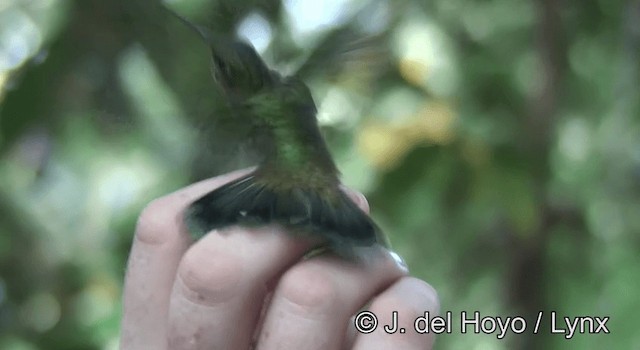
{"points": [[498, 142]]}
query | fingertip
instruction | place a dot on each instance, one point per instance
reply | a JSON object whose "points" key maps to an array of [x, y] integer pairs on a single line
{"points": [[429, 293], [158, 222], [408, 298], [358, 198], [209, 274]]}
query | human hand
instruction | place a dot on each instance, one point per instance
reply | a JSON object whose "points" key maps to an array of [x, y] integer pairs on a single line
{"points": [[243, 288]]}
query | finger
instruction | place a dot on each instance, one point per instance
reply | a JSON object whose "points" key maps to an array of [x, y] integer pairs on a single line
{"points": [[221, 283], [410, 298], [159, 243], [314, 300]]}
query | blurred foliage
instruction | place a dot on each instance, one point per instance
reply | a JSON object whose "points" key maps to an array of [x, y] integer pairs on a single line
{"points": [[498, 143]]}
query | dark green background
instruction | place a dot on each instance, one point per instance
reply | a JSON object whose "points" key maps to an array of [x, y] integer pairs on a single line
{"points": [[497, 141]]}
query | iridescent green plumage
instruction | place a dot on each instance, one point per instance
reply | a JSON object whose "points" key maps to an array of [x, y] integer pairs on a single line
{"points": [[297, 183]]}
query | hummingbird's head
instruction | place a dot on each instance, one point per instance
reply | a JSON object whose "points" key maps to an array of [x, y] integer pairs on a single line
{"points": [[238, 69], [236, 66]]}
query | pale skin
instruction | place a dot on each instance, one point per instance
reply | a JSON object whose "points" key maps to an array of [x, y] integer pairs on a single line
{"points": [[248, 288]]}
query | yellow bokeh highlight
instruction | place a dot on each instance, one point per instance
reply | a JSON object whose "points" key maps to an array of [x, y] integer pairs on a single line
{"points": [[413, 71], [384, 144], [434, 123]]}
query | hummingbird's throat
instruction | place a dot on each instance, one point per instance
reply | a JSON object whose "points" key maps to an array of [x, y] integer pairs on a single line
{"points": [[300, 149]]}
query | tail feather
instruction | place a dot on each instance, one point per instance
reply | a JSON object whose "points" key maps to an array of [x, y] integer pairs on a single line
{"points": [[246, 201]]}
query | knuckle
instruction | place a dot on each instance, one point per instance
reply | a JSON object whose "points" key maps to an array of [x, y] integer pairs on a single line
{"points": [[210, 277]]}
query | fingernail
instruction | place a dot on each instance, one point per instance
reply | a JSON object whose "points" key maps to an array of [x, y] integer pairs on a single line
{"points": [[399, 261], [358, 198], [362, 200]]}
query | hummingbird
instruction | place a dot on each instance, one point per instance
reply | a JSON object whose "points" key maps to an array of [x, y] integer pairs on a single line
{"points": [[297, 183]]}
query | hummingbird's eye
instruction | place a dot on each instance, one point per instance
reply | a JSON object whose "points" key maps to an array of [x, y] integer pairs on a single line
{"points": [[222, 67]]}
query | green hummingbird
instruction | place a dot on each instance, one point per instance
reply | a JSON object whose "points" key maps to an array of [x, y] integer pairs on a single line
{"points": [[297, 183]]}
